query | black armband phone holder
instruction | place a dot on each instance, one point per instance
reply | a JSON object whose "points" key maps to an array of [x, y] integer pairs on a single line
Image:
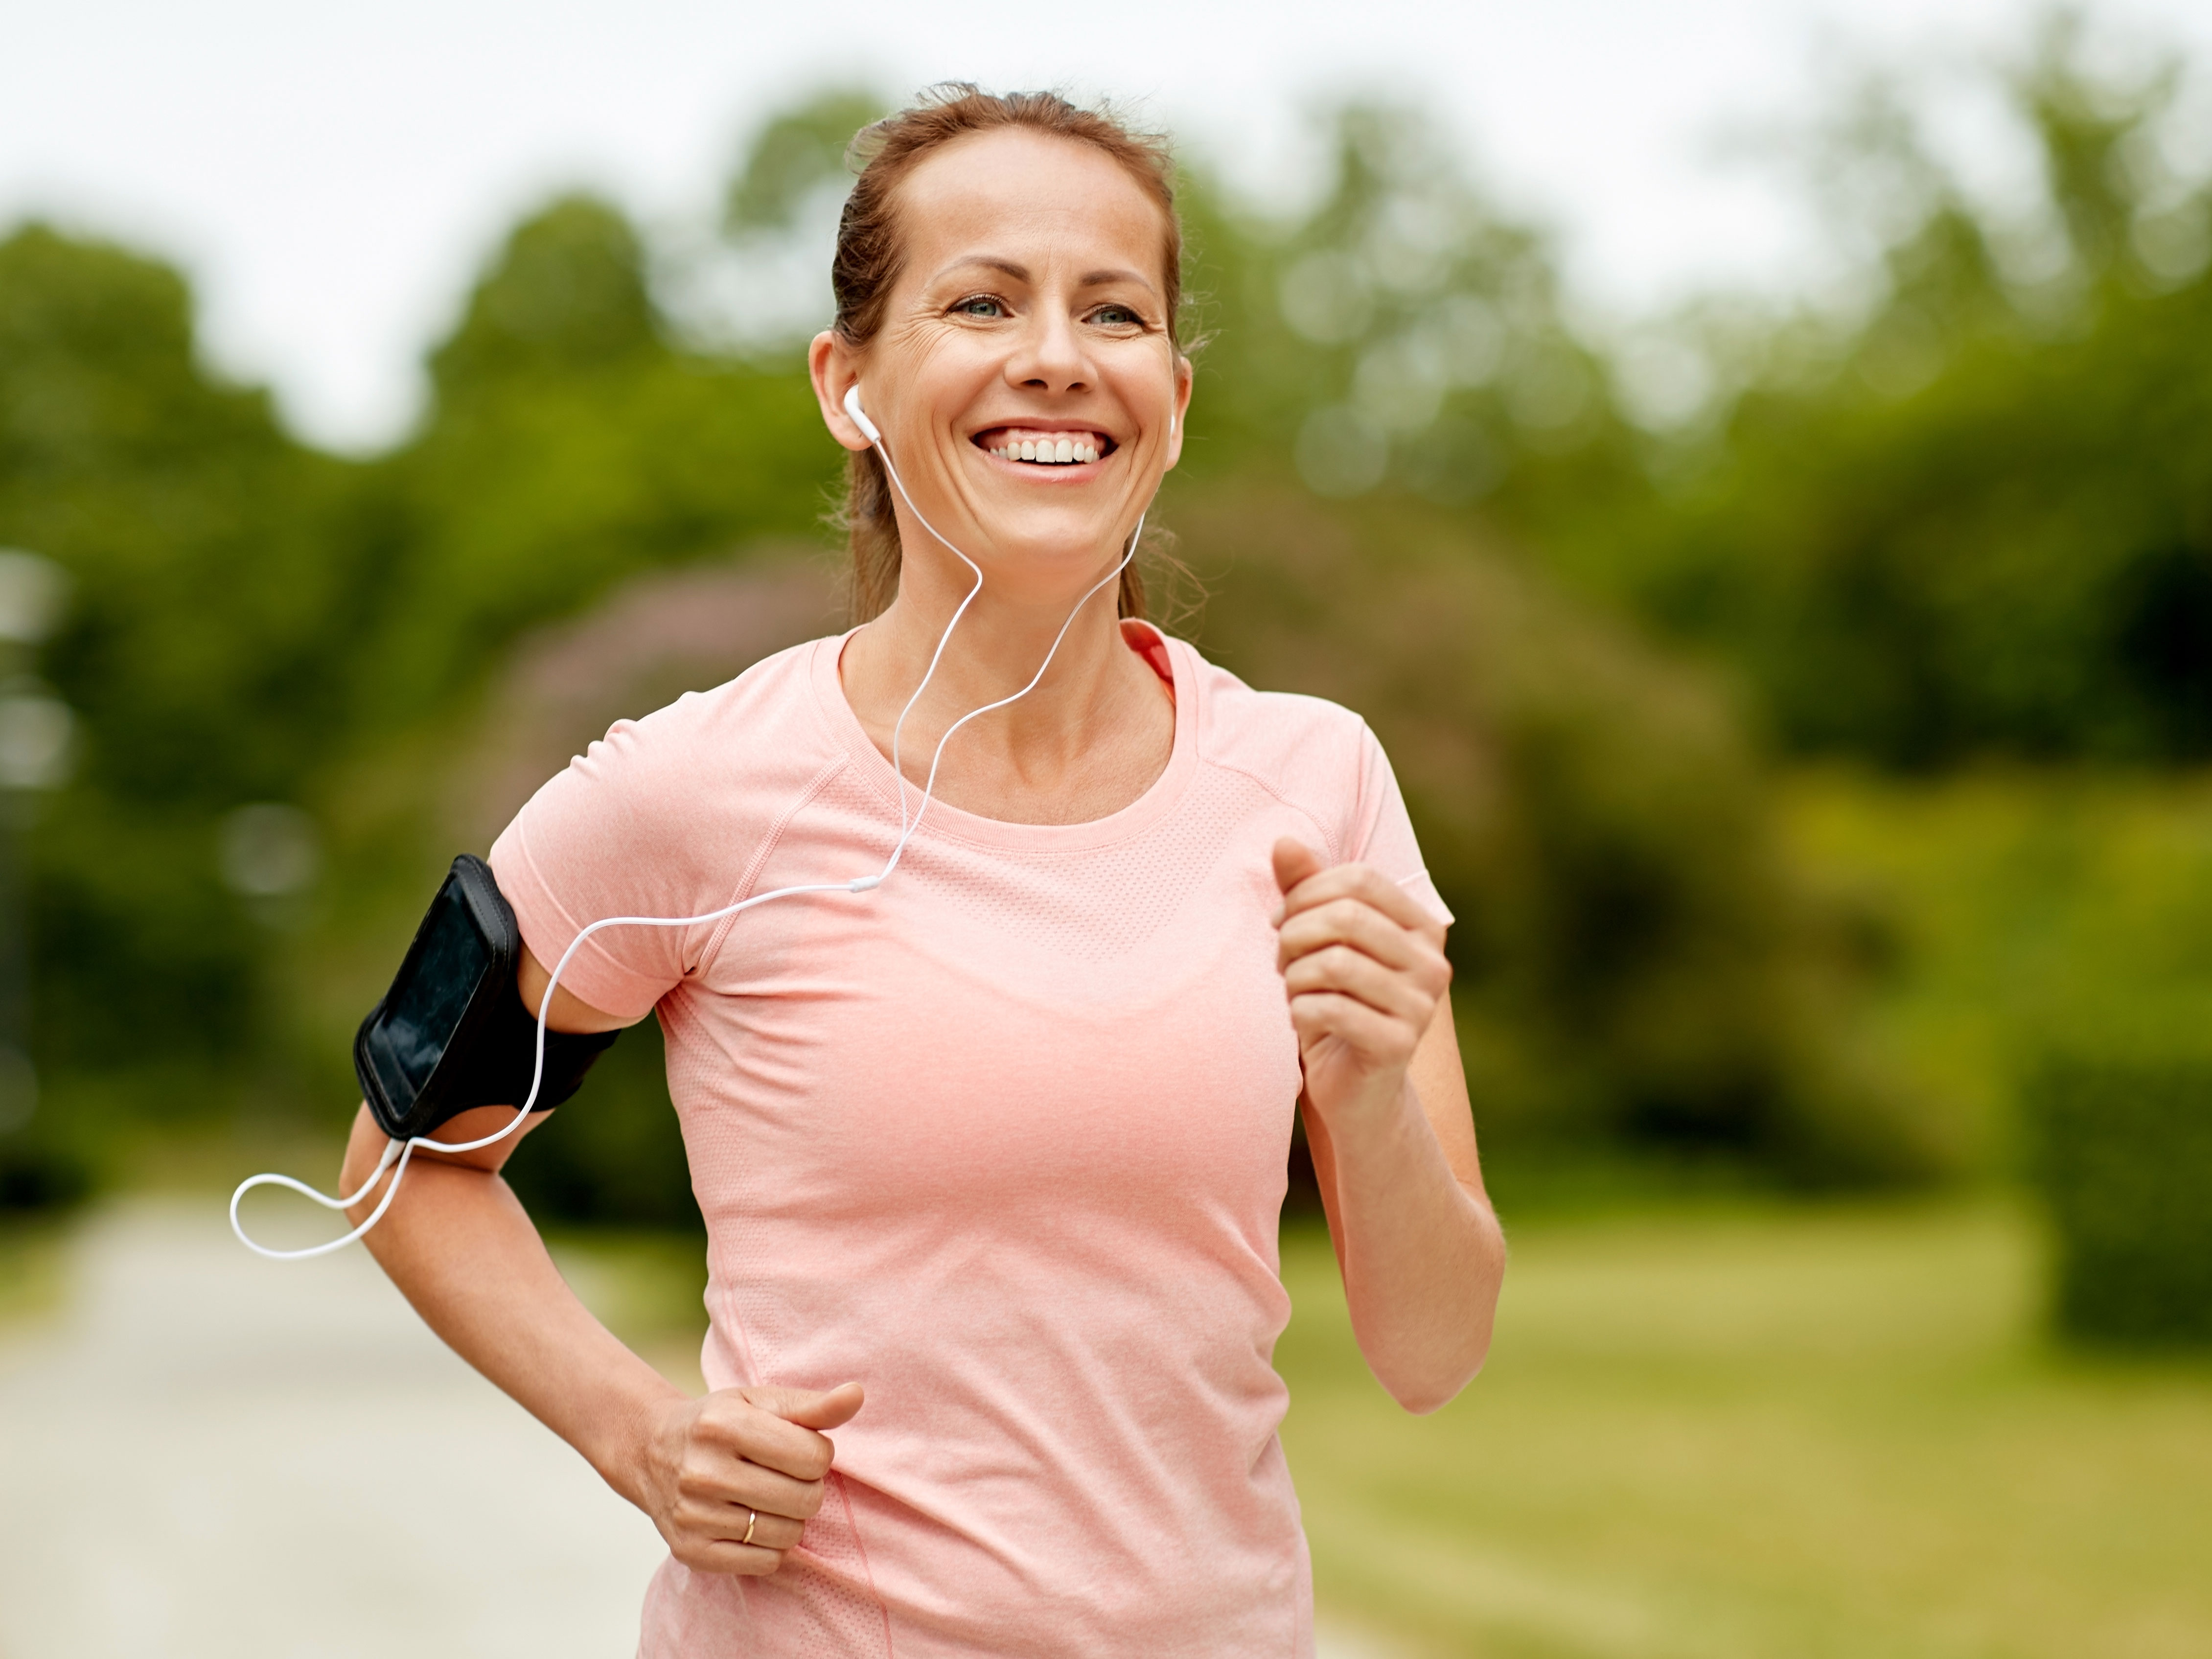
{"points": [[453, 1033]]}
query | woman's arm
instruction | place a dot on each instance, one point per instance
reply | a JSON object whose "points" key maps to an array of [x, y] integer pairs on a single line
{"points": [[1387, 1116], [462, 1250]]}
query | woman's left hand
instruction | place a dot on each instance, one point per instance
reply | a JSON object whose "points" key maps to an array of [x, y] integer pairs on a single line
{"points": [[1363, 966]]}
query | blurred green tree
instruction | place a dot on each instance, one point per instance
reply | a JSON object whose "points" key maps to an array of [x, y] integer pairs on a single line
{"points": [[210, 587], [1979, 520], [800, 155], [571, 443], [1401, 337]]}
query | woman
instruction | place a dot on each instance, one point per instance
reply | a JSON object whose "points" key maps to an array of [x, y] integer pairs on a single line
{"points": [[991, 1157]]}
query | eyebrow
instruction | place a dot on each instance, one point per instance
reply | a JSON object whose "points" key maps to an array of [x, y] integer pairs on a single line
{"points": [[1020, 272]]}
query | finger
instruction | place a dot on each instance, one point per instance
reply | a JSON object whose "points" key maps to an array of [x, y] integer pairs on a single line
{"points": [[1360, 924], [720, 1478], [1294, 861], [774, 1532], [756, 1433], [1320, 1014], [727, 1523], [1370, 885], [1346, 972], [744, 1560], [810, 1408]]}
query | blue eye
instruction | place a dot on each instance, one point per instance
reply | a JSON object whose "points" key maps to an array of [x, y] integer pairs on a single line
{"points": [[1116, 316], [981, 306]]}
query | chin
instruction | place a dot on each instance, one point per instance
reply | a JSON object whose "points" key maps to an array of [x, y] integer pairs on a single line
{"points": [[1052, 540]]}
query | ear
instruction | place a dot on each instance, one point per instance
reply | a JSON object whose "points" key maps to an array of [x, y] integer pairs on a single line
{"points": [[835, 370], [1184, 377]]}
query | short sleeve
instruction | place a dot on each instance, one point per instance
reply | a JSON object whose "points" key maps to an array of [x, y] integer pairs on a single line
{"points": [[609, 836], [1382, 834]]}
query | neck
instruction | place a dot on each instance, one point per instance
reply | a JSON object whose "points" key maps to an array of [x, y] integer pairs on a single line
{"points": [[1088, 737], [1004, 635]]}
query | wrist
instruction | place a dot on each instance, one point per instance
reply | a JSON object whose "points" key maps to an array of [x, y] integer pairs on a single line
{"points": [[623, 1443], [1376, 1106]]}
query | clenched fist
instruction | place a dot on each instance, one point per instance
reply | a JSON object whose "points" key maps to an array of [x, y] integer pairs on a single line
{"points": [[1364, 967], [739, 1462]]}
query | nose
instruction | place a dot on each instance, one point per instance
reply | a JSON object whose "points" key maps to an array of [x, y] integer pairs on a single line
{"points": [[1048, 355]]}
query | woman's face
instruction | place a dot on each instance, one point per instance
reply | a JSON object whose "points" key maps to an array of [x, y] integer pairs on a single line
{"points": [[1024, 377]]}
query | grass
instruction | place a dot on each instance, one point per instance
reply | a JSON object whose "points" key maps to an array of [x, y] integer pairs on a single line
{"points": [[1755, 1434], [647, 1288]]}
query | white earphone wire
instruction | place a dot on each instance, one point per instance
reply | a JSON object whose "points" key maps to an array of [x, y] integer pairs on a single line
{"points": [[397, 1153]]}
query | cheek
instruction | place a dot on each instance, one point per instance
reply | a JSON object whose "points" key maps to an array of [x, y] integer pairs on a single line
{"points": [[936, 372], [1147, 387]]}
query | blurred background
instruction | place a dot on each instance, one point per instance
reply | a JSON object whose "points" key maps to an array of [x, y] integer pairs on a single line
{"points": [[1754, 471]]}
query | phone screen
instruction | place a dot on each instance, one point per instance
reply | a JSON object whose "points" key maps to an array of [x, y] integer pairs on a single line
{"points": [[423, 1009]]}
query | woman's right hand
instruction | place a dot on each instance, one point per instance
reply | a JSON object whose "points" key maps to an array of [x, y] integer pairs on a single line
{"points": [[709, 1464]]}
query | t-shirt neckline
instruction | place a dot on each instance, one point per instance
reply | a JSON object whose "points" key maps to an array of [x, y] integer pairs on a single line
{"points": [[872, 765]]}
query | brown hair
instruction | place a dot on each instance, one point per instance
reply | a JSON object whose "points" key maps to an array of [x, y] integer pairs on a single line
{"points": [[870, 256]]}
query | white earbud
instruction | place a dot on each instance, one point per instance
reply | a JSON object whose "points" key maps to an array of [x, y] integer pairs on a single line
{"points": [[860, 415]]}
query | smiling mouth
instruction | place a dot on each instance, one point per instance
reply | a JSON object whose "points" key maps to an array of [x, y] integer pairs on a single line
{"points": [[1015, 443]]}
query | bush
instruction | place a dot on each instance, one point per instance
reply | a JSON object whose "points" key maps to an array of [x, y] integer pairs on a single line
{"points": [[36, 1174], [2124, 1158], [613, 1157]]}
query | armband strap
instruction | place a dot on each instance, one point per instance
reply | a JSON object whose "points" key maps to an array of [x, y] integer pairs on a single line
{"points": [[452, 1032], [496, 1069], [491, 1066]]}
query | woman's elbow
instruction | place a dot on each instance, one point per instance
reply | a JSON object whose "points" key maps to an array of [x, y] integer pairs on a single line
{"points": [[1424, 1395], [1440, 1375]]}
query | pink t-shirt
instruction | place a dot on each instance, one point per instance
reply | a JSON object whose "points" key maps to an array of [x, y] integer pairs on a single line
{"points": [[1003, 1140]]}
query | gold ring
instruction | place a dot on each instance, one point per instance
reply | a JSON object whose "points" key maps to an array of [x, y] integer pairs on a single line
{"points": [[752, 1520]]}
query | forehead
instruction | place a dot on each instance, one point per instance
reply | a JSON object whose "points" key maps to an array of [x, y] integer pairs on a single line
{"points": [[1029, 196]]}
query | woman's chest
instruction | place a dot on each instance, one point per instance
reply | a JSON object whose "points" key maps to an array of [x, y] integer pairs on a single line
{"points": [[1004, 1033]]}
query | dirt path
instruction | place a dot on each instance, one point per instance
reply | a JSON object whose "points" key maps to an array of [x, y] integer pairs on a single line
{"points": [[212, 1455]]}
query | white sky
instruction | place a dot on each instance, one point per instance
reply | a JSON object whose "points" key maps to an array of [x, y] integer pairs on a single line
{"points": [[331, 172]]}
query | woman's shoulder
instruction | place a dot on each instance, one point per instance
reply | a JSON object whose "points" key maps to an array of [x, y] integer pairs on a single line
{"points": [[1319, 758], [753, 739], [1278, 735], [1313, 756]]}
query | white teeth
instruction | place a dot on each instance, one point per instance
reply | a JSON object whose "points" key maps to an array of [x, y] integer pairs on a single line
{"points": [[1048, 451]]}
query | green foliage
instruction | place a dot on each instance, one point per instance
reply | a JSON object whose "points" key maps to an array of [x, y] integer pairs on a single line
{"points": [[2011, 903], [614, 1155], [2122, 1128], [207, 582], [1401, 339], [799, 153], [1979, 521], [37, 1172], [572, 444]]}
